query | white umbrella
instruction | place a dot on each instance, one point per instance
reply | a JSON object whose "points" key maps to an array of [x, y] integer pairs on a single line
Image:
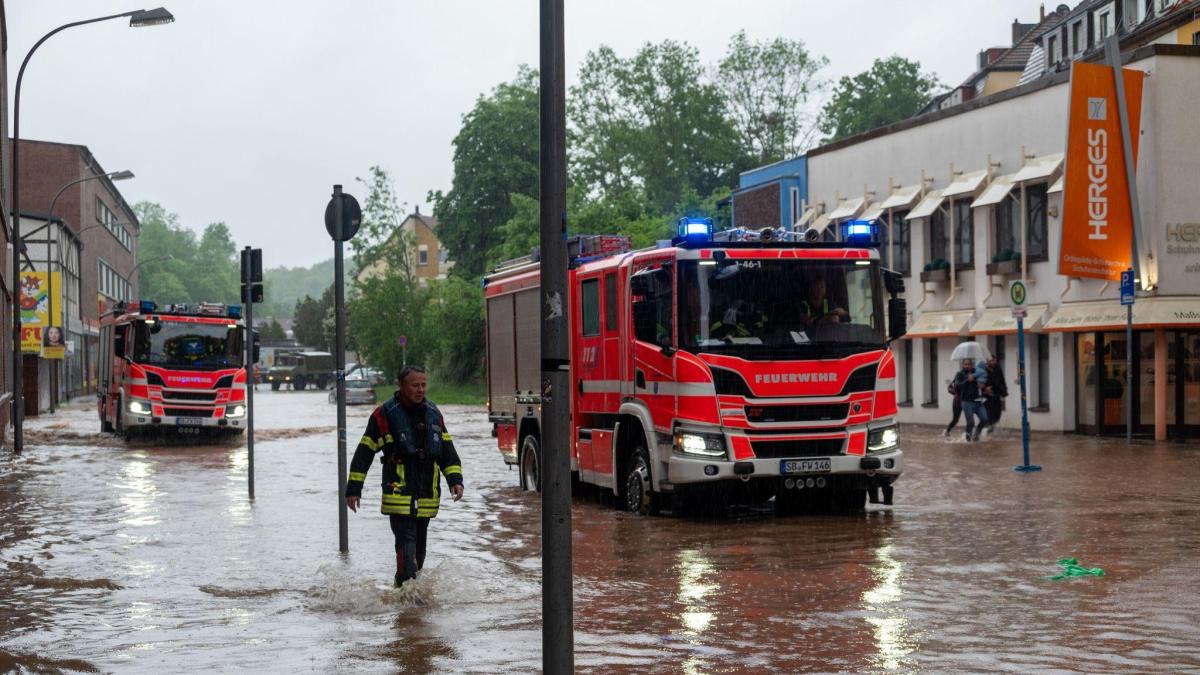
{"points": [[976, 351]]}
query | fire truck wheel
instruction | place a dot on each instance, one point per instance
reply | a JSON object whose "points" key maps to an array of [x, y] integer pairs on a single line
{"points": [[639, 492], [531, 464]]}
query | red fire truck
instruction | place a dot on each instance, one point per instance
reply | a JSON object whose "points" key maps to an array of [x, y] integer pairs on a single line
{"points": [[748, 362], [178, 368]]}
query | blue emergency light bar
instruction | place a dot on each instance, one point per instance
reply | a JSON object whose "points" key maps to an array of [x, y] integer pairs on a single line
{"points": [[235, 311], [860, 232], [146, 306], [694, 228]]}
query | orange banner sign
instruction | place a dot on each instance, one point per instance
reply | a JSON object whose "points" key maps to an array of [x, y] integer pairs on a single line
{"points": [[1097, 226]]}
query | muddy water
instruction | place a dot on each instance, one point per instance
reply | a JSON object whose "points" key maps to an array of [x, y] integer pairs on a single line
{"points": [[150, 557]]}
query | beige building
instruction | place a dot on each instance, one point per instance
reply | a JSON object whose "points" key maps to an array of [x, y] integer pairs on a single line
{"points": [[427, 259], [957, 187]]}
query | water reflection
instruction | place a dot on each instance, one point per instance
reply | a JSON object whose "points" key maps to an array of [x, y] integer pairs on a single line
{"points": [[138, 492], [694, 571], [887, 619]]}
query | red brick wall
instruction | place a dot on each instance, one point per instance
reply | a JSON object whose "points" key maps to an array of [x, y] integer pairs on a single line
{"points": [[757, 208]]}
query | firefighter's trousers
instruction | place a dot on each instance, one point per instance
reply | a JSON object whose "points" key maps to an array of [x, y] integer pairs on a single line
{"points": [[411, 534]]}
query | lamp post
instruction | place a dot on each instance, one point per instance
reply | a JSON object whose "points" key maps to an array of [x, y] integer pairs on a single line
{"points": [[114, 175], [137, 18]]}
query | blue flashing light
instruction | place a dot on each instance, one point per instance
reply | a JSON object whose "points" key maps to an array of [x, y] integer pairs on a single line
{"points": [[860, 232], [235, 311], [695, 228], [146, 306]]}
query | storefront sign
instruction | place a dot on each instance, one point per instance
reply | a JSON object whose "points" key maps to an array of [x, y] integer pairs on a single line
{"points": [[1097, 231], [38, 310]]}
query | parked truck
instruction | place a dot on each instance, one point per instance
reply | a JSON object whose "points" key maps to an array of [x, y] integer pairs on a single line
{"points": [[710, 367], [300, 369]]}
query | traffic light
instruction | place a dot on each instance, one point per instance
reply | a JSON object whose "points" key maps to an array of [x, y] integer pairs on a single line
{"points": [[252, 288]]}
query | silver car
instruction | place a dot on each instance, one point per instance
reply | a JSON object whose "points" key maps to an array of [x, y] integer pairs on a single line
{"points": [[358, 391]]}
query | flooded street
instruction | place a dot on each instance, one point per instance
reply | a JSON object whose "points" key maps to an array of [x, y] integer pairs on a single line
{"points": [[151, 557]]}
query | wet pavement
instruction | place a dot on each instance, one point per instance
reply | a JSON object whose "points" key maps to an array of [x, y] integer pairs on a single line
{"points": [[150, 557]]}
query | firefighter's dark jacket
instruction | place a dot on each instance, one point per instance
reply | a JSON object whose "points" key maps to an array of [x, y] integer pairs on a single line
{"points": [[410, 463]]}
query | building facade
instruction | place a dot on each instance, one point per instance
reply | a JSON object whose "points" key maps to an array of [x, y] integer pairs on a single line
{"points": [[771, 196], [958, 187], [105, 227], [427, 258]]}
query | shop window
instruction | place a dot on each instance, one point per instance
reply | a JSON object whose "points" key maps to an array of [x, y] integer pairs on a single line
{"points": [[590, 304], [900, 228], [964, 234], [906, 371], [931, 368]]}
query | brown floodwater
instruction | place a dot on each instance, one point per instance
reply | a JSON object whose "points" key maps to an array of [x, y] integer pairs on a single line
{"points": [[150, 557]]}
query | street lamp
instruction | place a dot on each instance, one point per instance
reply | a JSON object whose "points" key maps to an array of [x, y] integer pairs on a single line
{"points": [[115, 175], [137, 18]]}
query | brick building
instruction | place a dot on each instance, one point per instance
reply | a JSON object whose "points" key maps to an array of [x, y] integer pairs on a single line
{"points": [[105, 226]]}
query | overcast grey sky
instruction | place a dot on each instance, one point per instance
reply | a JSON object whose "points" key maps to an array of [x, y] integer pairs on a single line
{"points": [[248, 111]]}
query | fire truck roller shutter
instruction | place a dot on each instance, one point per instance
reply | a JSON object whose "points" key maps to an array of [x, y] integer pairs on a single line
{"points": [[640, 415]]}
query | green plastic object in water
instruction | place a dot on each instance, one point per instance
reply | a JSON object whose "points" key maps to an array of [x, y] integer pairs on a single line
{"points": [[1072, 568]]}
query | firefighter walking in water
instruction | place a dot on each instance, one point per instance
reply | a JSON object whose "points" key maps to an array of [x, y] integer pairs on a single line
{"points": [[410, 436]]}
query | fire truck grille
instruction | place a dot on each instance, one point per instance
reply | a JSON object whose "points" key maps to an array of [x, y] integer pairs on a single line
{"points": [[813, 448], [206, 396], [188, 412], [834, 412]]}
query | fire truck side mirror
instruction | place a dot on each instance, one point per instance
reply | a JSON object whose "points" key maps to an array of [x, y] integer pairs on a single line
{"points": [[897, 318], [893, 281]]}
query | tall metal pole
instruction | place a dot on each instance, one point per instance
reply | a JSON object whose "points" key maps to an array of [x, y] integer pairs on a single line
{"points": [[1128, 374], [339, 350], [248, 284], [1026, 466], [558, 634], [1112, 52]]}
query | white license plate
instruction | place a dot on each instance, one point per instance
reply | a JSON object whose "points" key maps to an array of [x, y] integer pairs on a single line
{"points": [[189, 421], [817, 465]]}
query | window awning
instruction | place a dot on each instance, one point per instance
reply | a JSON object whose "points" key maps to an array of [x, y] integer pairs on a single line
{"points": [[1039, 168], [996, 191], [872, 212], [1057, 186], [926, 207], [847, 209], [999, 320], [902, 198], [821, 223], [805, 218], [1159, 312], [940, 324], [966, 184]]}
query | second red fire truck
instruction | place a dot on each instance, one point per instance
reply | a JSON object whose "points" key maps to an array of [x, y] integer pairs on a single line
{"points": [[179, 368], [744, 362]]}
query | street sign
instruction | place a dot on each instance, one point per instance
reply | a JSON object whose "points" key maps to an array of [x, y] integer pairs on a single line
{"points": [[402, 340], [1020, 312], [1127, 294], [1016, 293], [347, 227]]}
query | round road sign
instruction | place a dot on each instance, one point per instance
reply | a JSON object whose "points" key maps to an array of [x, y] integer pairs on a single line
{"points": [[1016, 293], [351, 217]]}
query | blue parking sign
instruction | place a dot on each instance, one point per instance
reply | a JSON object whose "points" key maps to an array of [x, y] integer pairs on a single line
{"points": [[1127, 287]]}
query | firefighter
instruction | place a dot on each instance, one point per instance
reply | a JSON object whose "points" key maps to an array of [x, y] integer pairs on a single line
{"points": [[817, 308], [410, 436]]}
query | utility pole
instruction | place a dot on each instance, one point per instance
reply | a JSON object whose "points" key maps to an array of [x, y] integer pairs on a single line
{"points": [[558, 633], [251, 293], [342, 219]]}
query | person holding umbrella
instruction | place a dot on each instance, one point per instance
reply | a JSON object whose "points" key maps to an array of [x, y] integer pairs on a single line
{"points": [[970, 387]]}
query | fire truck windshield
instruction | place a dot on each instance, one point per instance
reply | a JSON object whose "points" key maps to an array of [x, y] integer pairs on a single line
{"points": [[178, 344], [750, 306]]}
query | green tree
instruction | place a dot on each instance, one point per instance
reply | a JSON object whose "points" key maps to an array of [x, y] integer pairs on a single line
{"points": [[660, 125], [892, 90], [766, 86], [308, 321], [385, 307], [216, 267], [161, 234], [379, 237], [452, 355], [495, 157], [272, 330]]}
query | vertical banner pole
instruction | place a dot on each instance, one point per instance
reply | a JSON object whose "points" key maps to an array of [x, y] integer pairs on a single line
{"points": [[1128, 374], [339, 350], [248, 285]]}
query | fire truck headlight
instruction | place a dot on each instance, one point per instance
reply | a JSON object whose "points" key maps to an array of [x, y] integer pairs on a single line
{"points": [[235, 411], [704, 445], [139, 407], [883, 439]]}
